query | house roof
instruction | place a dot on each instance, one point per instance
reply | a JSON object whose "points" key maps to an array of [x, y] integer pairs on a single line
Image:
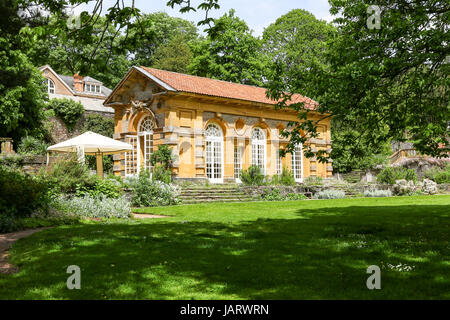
{"points": [[68, 81], [218, 88]]}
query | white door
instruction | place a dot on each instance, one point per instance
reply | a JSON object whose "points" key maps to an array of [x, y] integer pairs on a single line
{"points": [[297, 163], [214, 153]]}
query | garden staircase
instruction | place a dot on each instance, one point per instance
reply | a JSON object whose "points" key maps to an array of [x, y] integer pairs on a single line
{"points": [[214, 193]]}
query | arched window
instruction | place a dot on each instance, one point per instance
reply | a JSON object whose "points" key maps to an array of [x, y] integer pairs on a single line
{"points": [[145, 132], [50, 86], [139, 156], [214, 153], [259, 148]]}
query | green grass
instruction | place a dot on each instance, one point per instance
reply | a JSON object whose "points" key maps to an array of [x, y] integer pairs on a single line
{"points": [[262, 250]]}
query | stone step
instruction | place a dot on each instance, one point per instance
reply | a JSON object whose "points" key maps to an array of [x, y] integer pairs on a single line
{"points": [[218, 200], [211, 193], [228, 196]]}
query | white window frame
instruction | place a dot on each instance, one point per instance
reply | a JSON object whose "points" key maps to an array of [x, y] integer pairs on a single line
{"points": [[257, 146], [297, 163], [50, 85], [133, 154], [212, 144], [278, 163], [145, 130], [92, 88], [237, 163]]}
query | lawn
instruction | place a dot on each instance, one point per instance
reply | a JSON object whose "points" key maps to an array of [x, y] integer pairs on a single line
{"points": [[316, 249]]}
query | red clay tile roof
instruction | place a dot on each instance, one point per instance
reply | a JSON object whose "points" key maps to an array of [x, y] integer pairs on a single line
{"points": [[218, 88]]}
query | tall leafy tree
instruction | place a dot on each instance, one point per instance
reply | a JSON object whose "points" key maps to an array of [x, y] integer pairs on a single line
{"points": [[174, 56], [386, 81], [229, 53], [159, 29], [22, 96]]}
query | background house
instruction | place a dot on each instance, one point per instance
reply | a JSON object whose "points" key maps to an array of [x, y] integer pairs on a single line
{"points": [[90, 92]]}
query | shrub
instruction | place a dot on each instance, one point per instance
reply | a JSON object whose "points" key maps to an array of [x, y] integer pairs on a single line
{"points": [[296, 196], [377, 193], [253, 176], [330, 194], [315, 181], [160, 173], [8, 223], [21, 194], [438, 175], [69, 111], [389, 175], [272, 195], [101, 188], [12, 160], [33, 146], [149, 193], [286, 178], [94, 207], [163, 156], [67, 175], [276, 195]]}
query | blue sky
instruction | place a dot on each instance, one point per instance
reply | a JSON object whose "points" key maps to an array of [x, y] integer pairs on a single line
{"points": [[257, 13]]}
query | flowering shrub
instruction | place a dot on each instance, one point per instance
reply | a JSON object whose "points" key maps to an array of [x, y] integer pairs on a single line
{"points": [[378, 193], [149, 193], [94, 207], [277, 195], [330, 194]]}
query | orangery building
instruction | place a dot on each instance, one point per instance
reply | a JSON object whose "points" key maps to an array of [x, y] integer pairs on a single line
{"points": [[214, 128]]}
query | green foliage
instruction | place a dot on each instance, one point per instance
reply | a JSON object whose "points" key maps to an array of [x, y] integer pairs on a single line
{"points": [[275, 194], [102, 188], [32, 146], [99, 124], [160, 173], [12, 160], [253, 176], [352, 150], [330, 194], [22, 98], [20, 194], [296, 40], [67, 175], [390, 174], [174, 56], [286, 178], [438, 175], [314, 181], [104, 126], [162, 156], [230, 53], [68, 110], [160, 35], [149, 193]]}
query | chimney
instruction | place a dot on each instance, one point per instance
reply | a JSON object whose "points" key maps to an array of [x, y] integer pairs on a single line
{"points": [[78, 83]]}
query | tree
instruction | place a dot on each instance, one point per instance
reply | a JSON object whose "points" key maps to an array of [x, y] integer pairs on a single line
{"points": [[295, 40], [390, 80], [22, 97], [230, 53], [174, 56], [159, 30]]}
